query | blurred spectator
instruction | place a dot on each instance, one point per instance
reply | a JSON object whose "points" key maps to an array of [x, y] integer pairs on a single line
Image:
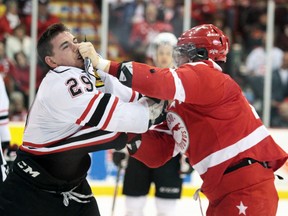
{"points": [[6, 69], [168, 10], [98, 4], [24, 8], [134, 11], [2, 8], [256, 59], [18, 41], [279, 109], [10, 19], [250, 16], [172, 13], [123, 16], [17, 110], [256, 62], [202, 12], [45, 18], [21, 75], [144, 32], [282, 38]]}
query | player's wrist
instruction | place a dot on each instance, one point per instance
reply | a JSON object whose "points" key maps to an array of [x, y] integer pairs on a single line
{"points": [[103, 64]]}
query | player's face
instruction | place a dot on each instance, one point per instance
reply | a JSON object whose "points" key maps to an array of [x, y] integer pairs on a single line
{"points": [[164, 56], [65, 51]]}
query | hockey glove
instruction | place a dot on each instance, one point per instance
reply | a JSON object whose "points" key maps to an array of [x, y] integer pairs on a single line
{"points": [[119, 158], [162, 116], [155, 109], [134, 143]]}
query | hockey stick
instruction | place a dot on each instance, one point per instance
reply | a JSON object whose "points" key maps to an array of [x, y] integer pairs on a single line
{"points": [[116, 189]]}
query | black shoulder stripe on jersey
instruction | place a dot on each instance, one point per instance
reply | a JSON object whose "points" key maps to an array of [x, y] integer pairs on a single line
{"points": [[118, 144], [100, 110], [3, 117]]}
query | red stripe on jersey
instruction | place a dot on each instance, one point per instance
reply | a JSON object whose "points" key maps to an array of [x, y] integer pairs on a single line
{"points": [[29, 144], [37, 145], [86, 111], [102, 141], [110, 113], [4, 110], [132, 96]]}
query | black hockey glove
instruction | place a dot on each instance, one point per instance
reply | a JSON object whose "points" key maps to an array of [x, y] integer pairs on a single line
{"points": [[134, 144], [118, 158]]}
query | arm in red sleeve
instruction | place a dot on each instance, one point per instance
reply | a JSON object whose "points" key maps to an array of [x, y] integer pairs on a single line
{"points": [[156, 148], [114, 68]]}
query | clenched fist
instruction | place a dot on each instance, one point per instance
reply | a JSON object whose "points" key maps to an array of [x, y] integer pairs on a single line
{"points": [[87, 50]]}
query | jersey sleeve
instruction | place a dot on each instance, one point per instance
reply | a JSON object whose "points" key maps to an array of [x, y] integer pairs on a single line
{"points": [[86, 106], [115, 87], [190, 83], [157, 147]]}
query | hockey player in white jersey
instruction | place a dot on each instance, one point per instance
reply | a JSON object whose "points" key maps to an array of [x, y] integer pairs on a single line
{"points": [[4, 130], [75, 112]]}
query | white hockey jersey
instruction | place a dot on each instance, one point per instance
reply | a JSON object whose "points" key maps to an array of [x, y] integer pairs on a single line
{"points": [[75, 110], [4, 129], [4, 109]]}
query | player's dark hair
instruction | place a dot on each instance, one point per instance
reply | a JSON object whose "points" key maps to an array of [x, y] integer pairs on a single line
{"points": [[44, 46]]}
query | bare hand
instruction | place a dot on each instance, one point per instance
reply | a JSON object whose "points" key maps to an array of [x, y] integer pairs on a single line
{"points": [[87, 50]]}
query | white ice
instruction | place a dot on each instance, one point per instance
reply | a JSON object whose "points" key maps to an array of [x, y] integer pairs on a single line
{"points": [[185, 206]]}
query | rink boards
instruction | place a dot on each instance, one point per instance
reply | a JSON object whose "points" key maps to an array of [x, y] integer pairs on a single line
{"points": [[102, 175]]}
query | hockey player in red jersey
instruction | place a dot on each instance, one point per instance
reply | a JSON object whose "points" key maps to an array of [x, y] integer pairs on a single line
{"points": [[167, 179], [76, 111], [210, 121]]}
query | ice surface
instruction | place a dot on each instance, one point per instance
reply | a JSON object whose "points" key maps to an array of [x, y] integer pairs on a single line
{"points": [[185, 206]]}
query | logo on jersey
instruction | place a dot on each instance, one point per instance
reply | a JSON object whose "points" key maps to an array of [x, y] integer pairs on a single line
{"points": [[179, 132], [99, 83], [213, 51]]}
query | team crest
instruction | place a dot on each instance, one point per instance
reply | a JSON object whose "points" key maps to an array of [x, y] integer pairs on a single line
{"points": [[179, 132]]}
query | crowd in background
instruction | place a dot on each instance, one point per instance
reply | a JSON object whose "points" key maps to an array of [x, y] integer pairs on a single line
{"points": [[133, 25], [15, 51]]}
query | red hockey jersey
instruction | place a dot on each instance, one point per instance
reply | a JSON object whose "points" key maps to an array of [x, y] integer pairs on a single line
{"points": [[209, 120]]}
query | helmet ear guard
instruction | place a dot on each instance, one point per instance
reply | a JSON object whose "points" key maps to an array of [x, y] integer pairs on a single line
{"points": [[192, 52], [201, 54]]}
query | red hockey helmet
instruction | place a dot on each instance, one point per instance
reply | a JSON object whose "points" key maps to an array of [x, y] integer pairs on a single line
{"points": [[207, 37]]}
